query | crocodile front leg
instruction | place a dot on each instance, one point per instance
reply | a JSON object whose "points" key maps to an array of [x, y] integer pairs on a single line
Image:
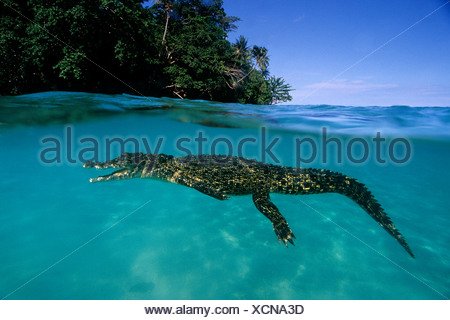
{"points": [[280, 226]]}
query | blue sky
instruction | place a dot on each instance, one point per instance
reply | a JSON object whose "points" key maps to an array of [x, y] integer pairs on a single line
{"points": [[312, 43], [314, 46]]}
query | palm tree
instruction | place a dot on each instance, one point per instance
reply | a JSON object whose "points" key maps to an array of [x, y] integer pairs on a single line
{"points": [[261, 58], [241, 50], [261, 61], [241, 57], [280, 90], [227, 24]]}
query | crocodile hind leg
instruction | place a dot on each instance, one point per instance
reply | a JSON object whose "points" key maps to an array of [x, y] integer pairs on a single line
{"points": [[280, 226]]}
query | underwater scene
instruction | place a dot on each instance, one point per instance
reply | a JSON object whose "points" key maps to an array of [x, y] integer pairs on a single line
{"points": [[62, 237]]}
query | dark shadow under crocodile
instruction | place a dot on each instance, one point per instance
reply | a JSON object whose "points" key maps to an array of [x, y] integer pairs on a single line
{"points": [[223, 176]]}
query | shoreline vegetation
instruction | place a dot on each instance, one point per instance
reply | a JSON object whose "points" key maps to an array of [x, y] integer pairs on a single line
{"points": [[173, 48]]}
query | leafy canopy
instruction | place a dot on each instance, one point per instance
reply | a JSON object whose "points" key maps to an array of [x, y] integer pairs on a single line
{"points": [[175, 48]]}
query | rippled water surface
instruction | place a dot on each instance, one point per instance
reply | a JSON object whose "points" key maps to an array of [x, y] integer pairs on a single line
{"points": [[62, 237]]}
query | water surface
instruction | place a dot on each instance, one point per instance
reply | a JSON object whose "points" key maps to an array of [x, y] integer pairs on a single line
{"points": [[62, 237]]}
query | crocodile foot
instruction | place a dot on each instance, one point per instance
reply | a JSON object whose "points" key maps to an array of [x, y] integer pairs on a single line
{"points": [[284, 233]]}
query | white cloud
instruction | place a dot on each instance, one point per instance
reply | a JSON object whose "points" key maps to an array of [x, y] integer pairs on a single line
{"points": [[300, 18], [365, 91], [347, 86], [434, 90]]}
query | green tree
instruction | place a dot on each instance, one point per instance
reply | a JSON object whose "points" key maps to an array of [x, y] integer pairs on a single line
{"points": [[167, 6], [175, 48], [14, 73], [241, 50], [256, 90], [280, 90], [261, 60], [198, 54]]}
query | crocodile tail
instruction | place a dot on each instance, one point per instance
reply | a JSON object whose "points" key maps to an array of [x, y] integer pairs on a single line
{"points": [[359, 193]]}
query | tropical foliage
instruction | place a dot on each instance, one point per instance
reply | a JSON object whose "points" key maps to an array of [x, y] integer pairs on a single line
{"points": [[175, 48]]}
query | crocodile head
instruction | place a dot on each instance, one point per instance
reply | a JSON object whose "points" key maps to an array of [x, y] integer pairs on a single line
{"points": [[124, 161], [130, 165]]}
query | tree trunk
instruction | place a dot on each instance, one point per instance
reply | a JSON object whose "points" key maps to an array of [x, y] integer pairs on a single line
{"points": [[165, 28], [248, 73]]}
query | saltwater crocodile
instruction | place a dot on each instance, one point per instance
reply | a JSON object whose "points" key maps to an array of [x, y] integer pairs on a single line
{"points": [[224, 176]]}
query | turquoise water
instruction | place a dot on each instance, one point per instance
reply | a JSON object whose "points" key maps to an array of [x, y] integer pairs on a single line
{"points": [[62, 237]]}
